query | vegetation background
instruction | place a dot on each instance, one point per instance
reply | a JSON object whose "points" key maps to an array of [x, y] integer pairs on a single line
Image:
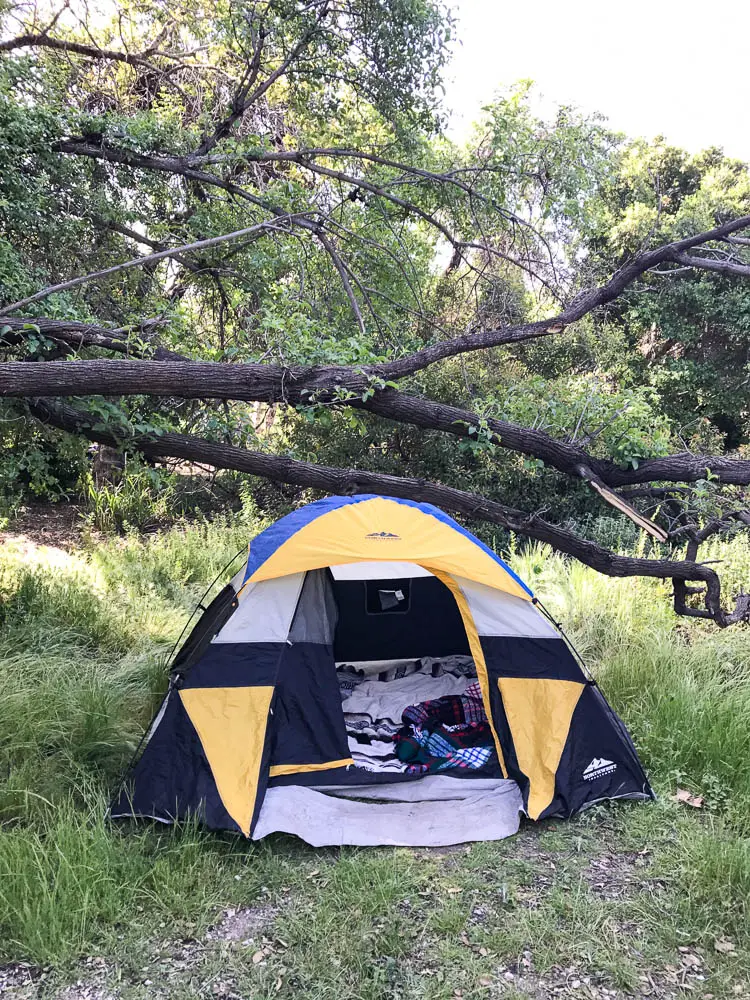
{"points": [[651, 900]]}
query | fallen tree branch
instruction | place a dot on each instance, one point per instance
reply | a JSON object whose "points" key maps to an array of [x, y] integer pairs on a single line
{"points": [[299, 385], [341, 270], [305, 157], [681, 589], [354, 481], [406, 409], [576, 310]]}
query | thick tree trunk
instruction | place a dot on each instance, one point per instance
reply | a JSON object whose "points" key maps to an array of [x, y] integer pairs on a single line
{"points": [[304, 385]]}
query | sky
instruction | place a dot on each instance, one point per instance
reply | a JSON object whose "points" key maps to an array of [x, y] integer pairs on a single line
{"points": [[679, 69]]}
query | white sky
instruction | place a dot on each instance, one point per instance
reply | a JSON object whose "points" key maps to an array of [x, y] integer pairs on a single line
{"points": [[674, 67]]}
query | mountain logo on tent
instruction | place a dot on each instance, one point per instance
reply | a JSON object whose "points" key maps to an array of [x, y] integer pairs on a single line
{"points": [[598, 768], [383, 535]]}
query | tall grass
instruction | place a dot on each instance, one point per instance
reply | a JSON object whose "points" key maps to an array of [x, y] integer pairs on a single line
{"points": [[83, 644], [71, 879]]}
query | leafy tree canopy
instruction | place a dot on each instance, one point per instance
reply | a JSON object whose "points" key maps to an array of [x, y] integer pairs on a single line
{"points": [[243, 224]]}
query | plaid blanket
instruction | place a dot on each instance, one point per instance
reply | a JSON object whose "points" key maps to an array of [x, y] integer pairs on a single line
{"points": [[447, 732], [466, 709]]}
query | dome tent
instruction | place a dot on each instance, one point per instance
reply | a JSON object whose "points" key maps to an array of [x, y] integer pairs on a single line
{"points": [[252, 728]]}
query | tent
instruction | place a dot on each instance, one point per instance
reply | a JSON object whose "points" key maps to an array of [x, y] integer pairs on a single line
{"points": [[252, 735]]}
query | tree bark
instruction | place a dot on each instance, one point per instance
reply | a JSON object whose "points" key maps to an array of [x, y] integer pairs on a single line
{"points": [[299, 385], [354, 481]]}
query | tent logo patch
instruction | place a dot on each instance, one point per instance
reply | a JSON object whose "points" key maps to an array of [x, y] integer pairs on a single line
{"points": [[598, 768], [383, 536]]}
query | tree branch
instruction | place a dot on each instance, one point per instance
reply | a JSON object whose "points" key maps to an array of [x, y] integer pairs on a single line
{"points": [[333, 480], [63, 286], [579, 307], [706, 264], [344, 386], [248, 95], [239, 105], [132, 234], [343, 274], [76, 335], [184, 166], [43, 40], [165, 164]]}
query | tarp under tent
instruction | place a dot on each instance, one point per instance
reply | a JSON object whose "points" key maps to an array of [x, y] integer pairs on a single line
{"points": [[377, 675]]}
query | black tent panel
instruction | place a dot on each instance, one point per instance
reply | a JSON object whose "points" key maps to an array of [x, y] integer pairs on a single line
{"points": [[216, 615], [527, 656], [173, 780], [308, 721], [599, 760], [375, 624], [236, 664]]}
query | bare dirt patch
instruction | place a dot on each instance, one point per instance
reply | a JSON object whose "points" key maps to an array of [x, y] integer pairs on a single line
{"points": [[83, 990], [686, 977], [18, 980], [243, 924], [612, 876], [54, 525]]}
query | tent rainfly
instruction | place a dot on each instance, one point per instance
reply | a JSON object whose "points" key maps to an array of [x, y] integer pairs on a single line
{"points": [[254, 736]]}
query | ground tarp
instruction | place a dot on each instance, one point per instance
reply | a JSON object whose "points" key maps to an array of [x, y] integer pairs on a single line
{"points": [[435, 811]]}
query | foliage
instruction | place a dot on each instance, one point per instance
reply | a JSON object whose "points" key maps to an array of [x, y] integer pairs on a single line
{"points": [[316, 132], [547, 171], [372, 80], [686, 335], [35, 460]]}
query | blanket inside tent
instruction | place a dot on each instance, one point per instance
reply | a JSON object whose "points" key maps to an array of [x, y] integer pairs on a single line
{"points": [[406, 717]]}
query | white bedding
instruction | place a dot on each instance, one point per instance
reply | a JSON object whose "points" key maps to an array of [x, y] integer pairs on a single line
{"points": [[377, 755], [388, 699], [373, 708]]}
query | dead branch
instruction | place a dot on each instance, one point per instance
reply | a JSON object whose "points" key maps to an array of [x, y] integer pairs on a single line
{"points": [[707, 264]]}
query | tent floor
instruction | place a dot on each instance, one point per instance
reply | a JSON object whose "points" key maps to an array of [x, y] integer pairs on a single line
{"points": [[436, 811]]}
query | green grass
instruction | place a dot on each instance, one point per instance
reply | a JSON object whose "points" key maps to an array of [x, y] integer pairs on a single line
{"points": [[611, 895]]}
